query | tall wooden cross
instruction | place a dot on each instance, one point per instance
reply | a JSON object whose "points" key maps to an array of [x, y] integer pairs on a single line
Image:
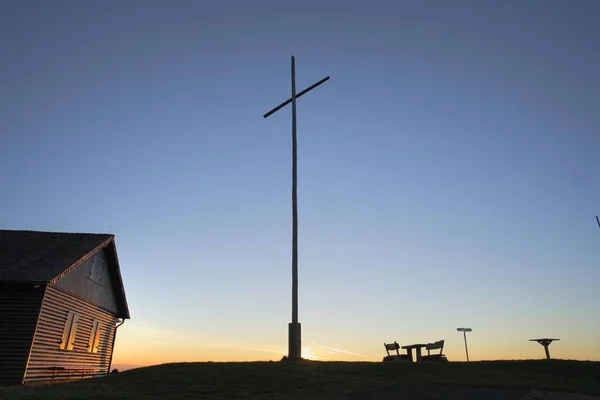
{"points": [[294, 331]]}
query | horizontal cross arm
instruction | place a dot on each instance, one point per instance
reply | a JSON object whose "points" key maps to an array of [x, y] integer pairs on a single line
{"points": [[288, 101]]}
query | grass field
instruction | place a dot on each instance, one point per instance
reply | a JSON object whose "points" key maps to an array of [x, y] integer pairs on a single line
{"points": [[316, 380]]}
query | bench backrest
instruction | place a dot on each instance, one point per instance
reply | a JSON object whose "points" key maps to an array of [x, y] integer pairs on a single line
{"points": [[435, 345], [391, 346]]}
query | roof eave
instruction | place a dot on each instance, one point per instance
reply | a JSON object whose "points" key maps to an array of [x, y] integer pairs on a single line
{"points": [[125, 314]]}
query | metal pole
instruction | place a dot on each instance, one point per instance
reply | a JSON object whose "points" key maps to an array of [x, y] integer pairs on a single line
{"points": [[466, 348]]}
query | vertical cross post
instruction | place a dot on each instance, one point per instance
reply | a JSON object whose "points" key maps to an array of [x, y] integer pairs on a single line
{"points": [[295, 336], [294, 328]]}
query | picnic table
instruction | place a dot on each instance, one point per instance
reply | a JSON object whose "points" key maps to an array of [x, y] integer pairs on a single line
{"points": [[417, 348], [544, 342]]}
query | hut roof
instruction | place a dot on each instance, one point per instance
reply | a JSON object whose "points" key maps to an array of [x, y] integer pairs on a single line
{"points": [[45, 257]]}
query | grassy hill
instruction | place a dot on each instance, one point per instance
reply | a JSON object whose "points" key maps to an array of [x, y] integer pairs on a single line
{"points": [[317, 380]]}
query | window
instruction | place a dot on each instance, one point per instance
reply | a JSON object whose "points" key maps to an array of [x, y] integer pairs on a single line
{"points": [[94, 338], [68, 337], [97, 270]]}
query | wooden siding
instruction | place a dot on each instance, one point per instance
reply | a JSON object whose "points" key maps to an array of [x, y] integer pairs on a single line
{"points": [[46, 357], [97, 287], [19, 309]]}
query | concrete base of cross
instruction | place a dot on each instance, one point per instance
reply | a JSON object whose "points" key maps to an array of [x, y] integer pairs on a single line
{"points": [[295, 341]]}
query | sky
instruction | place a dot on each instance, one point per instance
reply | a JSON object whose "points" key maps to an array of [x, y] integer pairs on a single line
{"points": [[449, 171]]}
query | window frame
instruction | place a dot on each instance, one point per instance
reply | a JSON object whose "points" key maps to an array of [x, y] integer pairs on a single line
{"points": [[94, 342], [69, 331]]}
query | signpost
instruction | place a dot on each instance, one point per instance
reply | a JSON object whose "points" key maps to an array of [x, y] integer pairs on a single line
{"points": [[464, 331], [294, 342]]}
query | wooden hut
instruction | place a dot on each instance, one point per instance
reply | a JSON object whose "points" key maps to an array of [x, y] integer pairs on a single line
{"points": [[61, 301]]}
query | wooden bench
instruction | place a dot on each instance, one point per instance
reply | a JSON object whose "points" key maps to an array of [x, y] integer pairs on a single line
{"points": [[60, 372], [394, 357], [435, 346]]}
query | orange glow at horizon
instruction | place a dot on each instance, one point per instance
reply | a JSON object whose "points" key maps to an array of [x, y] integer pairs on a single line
{"points": [[142, 346]]}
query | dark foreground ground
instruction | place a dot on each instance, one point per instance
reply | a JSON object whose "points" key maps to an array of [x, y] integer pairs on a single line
{"points": [[495, 380]]}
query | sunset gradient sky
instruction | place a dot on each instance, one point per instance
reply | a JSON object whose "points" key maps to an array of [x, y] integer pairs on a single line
{"points": [[449, 172]]}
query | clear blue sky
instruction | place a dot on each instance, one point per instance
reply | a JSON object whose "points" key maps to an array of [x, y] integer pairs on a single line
{"points": [[449, 172]]}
